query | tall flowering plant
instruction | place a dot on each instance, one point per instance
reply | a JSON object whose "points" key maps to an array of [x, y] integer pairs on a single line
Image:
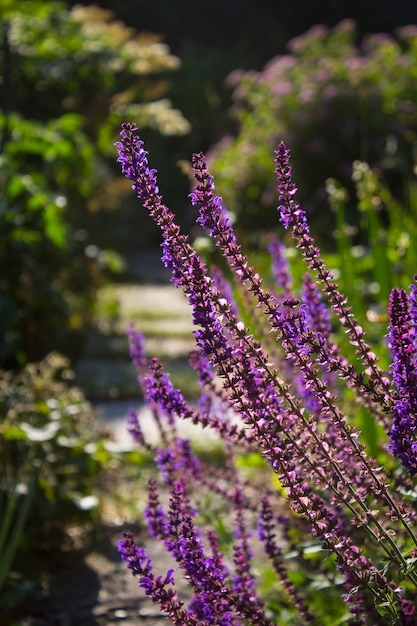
{"points": [[276, 387]]}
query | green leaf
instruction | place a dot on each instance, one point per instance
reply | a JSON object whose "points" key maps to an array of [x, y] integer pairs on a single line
{"points": [[14, 433], [54, 227], [25, 235], [15, 187]]}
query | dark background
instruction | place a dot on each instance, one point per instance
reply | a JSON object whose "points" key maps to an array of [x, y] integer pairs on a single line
{"points": [[213, 38], [256, 30]]}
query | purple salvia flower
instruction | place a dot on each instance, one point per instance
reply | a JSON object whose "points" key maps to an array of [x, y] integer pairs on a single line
{"points": [[216, 563], [213, 599], [214, 398], [178, 460], [413, 313], [242, 553], [317, 313], [199, 289], [217, 559], [212, 214], [133, 427], [160, 390], [138, 355], [201, 365], [156, 520], [407, 613], [206, 379], [318, 320], [137, 348], [210, 337], [165, 460], [135, 557], [213, 218], [159, 589], [266, 529], [400, 342], [187, 462], [248, 602], [188, 271], [403, 434], [292, 216], [290, 213], [134, 162], [287, 460], [361, 607]]}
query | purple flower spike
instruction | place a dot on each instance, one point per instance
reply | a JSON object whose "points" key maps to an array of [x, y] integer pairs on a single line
{"points": [[266, 530], [133, 427], [137, 348], [134, 161], [413, 314], [158, 588], [292, 216], [154, 514], [135, 557], [317, 314], [274, 382], [403, 434]]}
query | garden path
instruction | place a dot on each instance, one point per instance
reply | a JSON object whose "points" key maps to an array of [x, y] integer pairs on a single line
{"points": [[105, 372]]}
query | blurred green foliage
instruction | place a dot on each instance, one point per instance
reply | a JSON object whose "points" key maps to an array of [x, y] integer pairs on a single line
{"points": [[48, 464], [333, 102], [84, 61], [68, 78], [47, 281], [387, 256]]}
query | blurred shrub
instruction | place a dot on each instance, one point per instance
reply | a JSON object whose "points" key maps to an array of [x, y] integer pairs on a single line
{"points": [[334, 102], [84, 61], [48, 280], [69, 77], [47, 472]]}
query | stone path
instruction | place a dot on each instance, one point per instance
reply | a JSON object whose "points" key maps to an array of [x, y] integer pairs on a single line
{"points": [[106, 374]]}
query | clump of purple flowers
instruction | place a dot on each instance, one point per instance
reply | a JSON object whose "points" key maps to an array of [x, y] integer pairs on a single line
{"points": [[276, 387]]}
